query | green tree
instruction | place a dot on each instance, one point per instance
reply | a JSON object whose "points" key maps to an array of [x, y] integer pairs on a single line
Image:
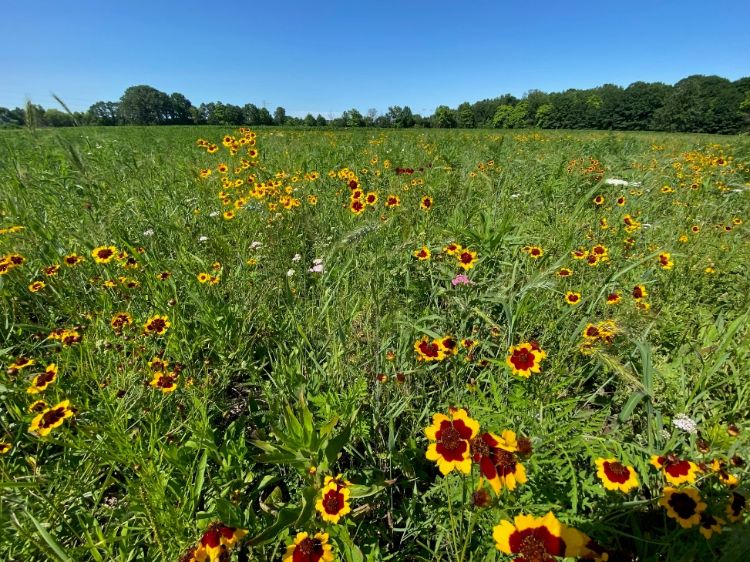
{"points": [[252, 114], [465, 116], [144, 105], [321, 121], [103, 113], [179, 109], [309, 120], [444, 117], [265, 116], [279, 116]]}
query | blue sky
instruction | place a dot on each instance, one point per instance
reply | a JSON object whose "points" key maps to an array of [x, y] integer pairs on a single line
{"points": [[327, 57]]}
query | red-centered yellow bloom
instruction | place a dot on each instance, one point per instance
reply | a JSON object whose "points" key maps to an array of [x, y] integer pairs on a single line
{"points": [[453, 249], [615, 475], [600, 251], [371, 198], [579, 254], [710, 525], [665, 261], [639, 292], [333, 503], [537, 539], [217, 541], [422, 254], [156, 325], [426, 203], [599, 200], [229, 215], [614, 298], [525, 358], [735, 507], [448, 345], [163, 276], [572, 298], [120, 321], [158, 364], [166, 382], [357, 207], [21, 363], [50, 418], [203, 277], [72, 260], [103, 254], [565, 272], [37, 406], [452, 437], [620, 201], [51, 270], [534, 251], [37, 286], [467, 259], [393, 201], [684, 505], [676, 471], [43, 380], [591, 332], [497, 461], [5, 448], [428, 350], [309, 549]]}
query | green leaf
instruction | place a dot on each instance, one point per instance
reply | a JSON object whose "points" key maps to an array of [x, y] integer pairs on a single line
{"points": [[285, 518], [51, 542], [630, 405]]}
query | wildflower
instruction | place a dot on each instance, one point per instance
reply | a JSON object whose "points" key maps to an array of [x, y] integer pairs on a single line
{"points": [[565, 272], [426, 203], [448, 345], [534, 251], [710, 525], [393, 201], [203, 277], [525, 358], [166, 382], [163, 276], [665, 261], [37, 286], [453, 249], [599, 200], [21, 363], [572, 298], [43, 380], [158, 364], [497, 460], [422, 254], [685, 423], [683, 505], [334, 500], [537, 539], [156, 325], [50, 418], [357, 207], [461, 279], [289, 272], [317, 266], [427, 350], [72, 260], [5, 447], [120, 320], [51, 270], [37, 406], [254, 245], [735, 507], [579, 254], [217, 541], [615, 475], [452, 436], [148, 232], [676, 471], [104, 254], [639, 292], [467, 259], [614, 298], [371, 198], [307, 549]]}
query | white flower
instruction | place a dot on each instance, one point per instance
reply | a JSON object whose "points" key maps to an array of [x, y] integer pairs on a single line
{"points": [[202, 238], [317, 261], [149, 232], [255, 245], [317, 266], [685, 423], [296, 257], [214, 214], [290, 273], [515, 195], [613, 181]]}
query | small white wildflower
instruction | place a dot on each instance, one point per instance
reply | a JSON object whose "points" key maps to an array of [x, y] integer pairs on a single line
{"points": [[214, 214], [317, 261], [149, 232], [515, 195], [290, 273], [296, 257], [255, 245], [685, 423], [202, 238]]}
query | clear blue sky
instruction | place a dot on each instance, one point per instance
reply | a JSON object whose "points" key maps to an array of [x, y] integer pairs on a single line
{"points": [[326, 57]]}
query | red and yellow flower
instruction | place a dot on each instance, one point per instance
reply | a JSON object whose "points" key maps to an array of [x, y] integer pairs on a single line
{"points": [[614, 298], [309, 549], [665, 261], [639, 292], [37, 286], [451, 436], [216, 543], [102, 254], [675, 470], [422, 254], [534, 252], [166, 382], [43, 380], [120, 321], [333, 503], [710, 525], [616, 475], [735, 507], [497, 461], [426, 203], [466, 259], [157, 324], [428, 350], [538, 539], [572, 298], [50, 418], [525, 358], [684, 505], [393, 201]]}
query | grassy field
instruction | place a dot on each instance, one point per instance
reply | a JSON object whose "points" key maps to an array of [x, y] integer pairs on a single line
{"points": [[529, 345]]}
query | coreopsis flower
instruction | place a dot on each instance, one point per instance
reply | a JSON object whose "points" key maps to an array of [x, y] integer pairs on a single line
{"points": [[665, 261], [163, 276], [50, 418], [120, 321], [616, 475], [203, 278], [453, 249], [525, 358], [466, 259], [393, 201], [537, 539], [21, 363], [103, 254], [422, 254], [309, 549], [5, 447], [565, 272], [428, 350], [710, 525], [620, 201], [426, 203], [37, 406], [448, 345], [357, 207], [158, 364], [217, 542], [614, 298], [51, 270], [451, 437], [497, 460], [333, 503], [684, 505], [371, 198], [572, 298], [43, 380], [37, 286], [580, 254], [166, 382], [719, 467], [535, 252], [675, 470], [156, 325], [639, 292], [735, 507]]}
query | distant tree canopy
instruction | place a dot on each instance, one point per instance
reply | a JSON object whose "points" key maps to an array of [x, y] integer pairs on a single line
{"points": [[700, 104]]}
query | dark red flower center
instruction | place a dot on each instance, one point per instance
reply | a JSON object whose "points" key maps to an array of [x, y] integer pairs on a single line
{"points": [[466, 257], [52, 417], [637, 293], [505, 461], [738, 503], [676, 467], [45, 377], [333, 502], [537, 544], [533, 549], [105, 253], [429, 349], [616, 472], [683, 505], [450, 438], [308, 550], [522, 359], [157, 325]]}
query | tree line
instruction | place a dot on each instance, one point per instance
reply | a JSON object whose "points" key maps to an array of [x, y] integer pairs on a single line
{"points": [[700, 104]]}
